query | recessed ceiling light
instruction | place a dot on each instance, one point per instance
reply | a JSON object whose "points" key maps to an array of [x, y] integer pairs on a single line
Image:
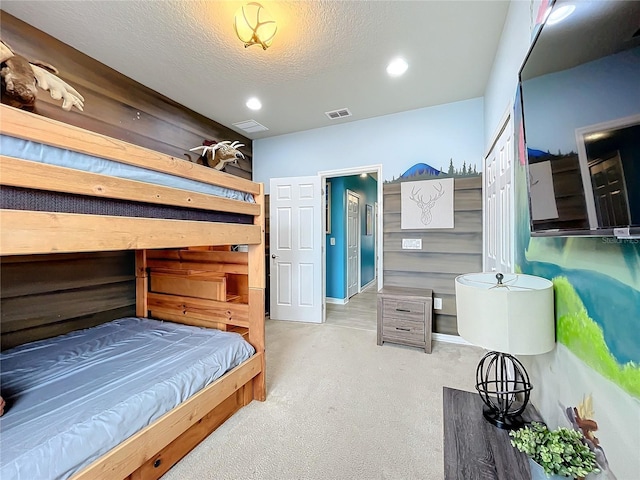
{"points": [[559, 14], [397, 67], [254, 104]]}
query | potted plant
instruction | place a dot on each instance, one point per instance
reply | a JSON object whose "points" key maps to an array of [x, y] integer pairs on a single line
{"points": [[561, 452]]}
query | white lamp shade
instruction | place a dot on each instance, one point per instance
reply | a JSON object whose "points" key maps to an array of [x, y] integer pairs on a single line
{"points": [[516, 317]]}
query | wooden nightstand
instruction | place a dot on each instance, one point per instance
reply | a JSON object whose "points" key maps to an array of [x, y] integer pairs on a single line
{"points": [[405, 316]]}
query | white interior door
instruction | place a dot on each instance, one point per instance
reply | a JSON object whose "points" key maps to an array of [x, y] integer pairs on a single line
{"points": [[353, 244], [499, 203], [296, 249]]}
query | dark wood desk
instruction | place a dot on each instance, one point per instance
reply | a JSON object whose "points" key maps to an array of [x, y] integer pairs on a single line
{"points": [[475, 449]]}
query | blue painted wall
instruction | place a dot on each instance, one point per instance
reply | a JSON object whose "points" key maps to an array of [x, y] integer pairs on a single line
{"points": [[337, 254]]}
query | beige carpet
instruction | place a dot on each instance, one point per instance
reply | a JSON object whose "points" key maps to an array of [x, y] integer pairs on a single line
{"points": [[338, 407]]}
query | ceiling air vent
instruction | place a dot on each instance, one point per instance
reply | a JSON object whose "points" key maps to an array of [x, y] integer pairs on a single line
{"points": [[250, 126], [340, 113]]}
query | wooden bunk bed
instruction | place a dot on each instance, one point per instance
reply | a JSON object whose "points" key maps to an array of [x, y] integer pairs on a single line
{"points": [[185, 270]]}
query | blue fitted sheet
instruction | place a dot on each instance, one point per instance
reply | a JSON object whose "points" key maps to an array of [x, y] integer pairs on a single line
{"points": [[72, 398], [38, 152]]}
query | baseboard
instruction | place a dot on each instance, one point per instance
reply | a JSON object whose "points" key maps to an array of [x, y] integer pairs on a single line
{"points": [[337, 301], [446, 338]]}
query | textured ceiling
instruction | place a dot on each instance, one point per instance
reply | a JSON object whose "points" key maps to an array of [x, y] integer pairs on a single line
{"points": [[326, 55]]}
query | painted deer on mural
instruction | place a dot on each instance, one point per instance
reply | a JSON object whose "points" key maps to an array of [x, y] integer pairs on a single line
{"points": [[428, 205], [218, 154]]}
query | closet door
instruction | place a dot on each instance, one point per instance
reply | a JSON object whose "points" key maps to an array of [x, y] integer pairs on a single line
{"points": [[498, 178]]}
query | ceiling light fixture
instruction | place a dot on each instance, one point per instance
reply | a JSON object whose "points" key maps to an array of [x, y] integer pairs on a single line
{"points": [[559, 14], [397, 67], [254, 25], [254, 104]]}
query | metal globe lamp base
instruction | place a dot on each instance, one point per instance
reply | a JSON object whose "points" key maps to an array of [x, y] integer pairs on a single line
{"points": [[503, 384]]}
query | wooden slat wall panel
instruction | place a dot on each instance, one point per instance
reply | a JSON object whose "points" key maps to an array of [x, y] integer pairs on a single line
{"points": [[452, 263], [34, 310], [37, 274], [46, 295], [116, 105], [19, 337], [445, 254], [437, 242], [466, 221]]}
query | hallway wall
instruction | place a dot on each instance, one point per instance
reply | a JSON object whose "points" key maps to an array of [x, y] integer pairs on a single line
{"points": [[336, 271]]}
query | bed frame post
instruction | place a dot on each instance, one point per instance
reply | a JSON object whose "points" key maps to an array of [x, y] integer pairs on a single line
{"points": [[256, 299], [142, 287]]}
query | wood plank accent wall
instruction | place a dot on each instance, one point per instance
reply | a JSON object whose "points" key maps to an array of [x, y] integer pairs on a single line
{"points": [[445, 254], [46, 295], [116, 105]]}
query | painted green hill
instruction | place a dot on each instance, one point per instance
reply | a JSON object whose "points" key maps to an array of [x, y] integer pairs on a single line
{"points": [[585, 339]]}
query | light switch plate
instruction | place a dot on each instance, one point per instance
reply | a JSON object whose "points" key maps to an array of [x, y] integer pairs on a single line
{"points": [[412, 244], [437, 303], [332, 241]]}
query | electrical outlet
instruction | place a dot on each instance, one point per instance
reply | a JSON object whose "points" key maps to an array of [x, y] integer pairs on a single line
{"points": [[437, 303]]}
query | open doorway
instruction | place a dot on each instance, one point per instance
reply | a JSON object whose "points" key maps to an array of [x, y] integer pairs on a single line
{"points": [[366, 182]]}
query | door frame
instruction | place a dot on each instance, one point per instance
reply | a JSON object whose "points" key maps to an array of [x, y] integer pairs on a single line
{"points": [[343, 172]]}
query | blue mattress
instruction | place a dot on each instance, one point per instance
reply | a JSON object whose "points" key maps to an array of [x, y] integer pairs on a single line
{"points": [[37, 152], [72, 398]]}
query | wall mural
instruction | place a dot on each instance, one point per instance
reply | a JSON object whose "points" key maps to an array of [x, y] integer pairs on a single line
{"points": [[597, 327], [425, 171], [593, 308]]}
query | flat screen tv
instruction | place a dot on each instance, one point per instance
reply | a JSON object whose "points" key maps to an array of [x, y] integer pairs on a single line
{"points": [[580, 93]]}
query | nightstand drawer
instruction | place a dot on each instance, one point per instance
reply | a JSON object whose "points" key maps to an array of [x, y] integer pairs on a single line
{"points": [[405, 309], [401, 329], [403, 322]]}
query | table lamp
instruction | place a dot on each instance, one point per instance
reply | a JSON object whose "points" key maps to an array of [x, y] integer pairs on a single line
{"points": [[510, 314]]}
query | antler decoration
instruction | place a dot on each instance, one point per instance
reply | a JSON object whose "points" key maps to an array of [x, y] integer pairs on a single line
{"points": [[20, 77], [428, 205], [217, 155]]}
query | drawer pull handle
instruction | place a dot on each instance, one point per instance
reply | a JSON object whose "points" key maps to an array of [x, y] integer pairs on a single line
{"points": [[403, 310], [403, 329]]}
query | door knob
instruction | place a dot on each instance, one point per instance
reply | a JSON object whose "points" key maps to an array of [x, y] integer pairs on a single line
{"points": [[273, 255]]}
